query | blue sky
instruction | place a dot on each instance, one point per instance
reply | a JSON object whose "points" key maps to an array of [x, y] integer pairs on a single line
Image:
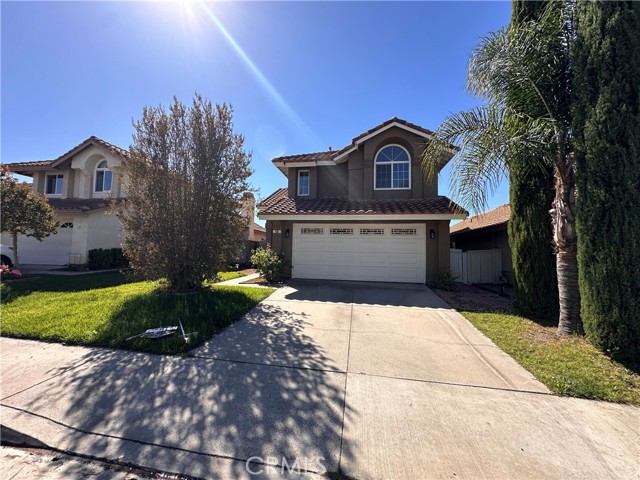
{"points": [[301, 76]]}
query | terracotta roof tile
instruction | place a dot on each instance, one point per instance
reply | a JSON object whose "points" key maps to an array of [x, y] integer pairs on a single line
{"points": [[330, 155], [94, 140], [492, 218], [382, 125], [280, 204], [273, 198], [17, 167], [305, 157]]}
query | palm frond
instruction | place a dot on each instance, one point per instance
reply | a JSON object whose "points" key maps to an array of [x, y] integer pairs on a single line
{"points": [[486, 136]]}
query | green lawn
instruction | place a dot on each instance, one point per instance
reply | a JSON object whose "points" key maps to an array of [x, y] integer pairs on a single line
{"points": [[104, 309], [567, 365], [224, 276]]}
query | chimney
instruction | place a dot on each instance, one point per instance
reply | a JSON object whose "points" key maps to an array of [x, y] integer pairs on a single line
{"points": [[331, 149], [249, 207]]}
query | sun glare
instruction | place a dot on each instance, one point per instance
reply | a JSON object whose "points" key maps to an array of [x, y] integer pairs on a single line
{"points": [[272, 92]]}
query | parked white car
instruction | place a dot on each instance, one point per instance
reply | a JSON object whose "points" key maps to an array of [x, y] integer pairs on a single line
{"points": [[6, 256]]}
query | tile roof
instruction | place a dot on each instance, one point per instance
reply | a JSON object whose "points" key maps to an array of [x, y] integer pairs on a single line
{"points": [[280, 204], [305, 157], [492, 218], [381, 126], [23, 166], [93, 140], [18, 167], [79, 204], [259, 227], [333, 154], [273, 198]]}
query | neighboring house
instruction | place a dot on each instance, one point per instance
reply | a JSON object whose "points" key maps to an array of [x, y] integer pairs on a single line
{"points": [[487, 231], [80, 185], [254, 234], [364, 212]]}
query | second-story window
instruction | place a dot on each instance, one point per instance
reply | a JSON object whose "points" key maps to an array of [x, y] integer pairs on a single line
{"points": [[54, 184], [392, 168], [103, 177], [303, 182]]}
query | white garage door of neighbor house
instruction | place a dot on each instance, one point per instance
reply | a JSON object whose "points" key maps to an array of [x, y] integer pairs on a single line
{"points": [[370, 252], [53, 250]]}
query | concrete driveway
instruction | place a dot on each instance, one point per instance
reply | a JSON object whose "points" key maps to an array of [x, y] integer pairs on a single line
{"points": [[374, 380]]}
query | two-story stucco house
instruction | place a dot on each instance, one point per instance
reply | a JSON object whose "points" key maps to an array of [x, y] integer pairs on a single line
{"points": [[79, 185], [364, 212]]}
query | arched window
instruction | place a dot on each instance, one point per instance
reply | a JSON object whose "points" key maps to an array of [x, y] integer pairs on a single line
{"points": [[103, 177], [393, 168]]}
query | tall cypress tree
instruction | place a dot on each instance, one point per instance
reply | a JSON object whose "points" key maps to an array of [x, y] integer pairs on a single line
{"points": [[531, 193], [606, 125]]}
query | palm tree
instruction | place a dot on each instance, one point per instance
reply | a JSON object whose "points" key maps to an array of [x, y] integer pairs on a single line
{"points": [[520, 69]]}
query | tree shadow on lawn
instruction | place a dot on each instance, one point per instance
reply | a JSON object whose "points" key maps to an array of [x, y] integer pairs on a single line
{"points": [[216, 408], [56, 283], [206, 312]]}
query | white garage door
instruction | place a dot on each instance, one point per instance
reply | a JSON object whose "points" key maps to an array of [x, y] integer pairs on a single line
{"points": [[370, 252], [53, 250]]}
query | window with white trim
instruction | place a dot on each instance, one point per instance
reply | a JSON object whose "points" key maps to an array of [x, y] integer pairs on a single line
{"points": [[54, 184], [393, 168], [103, 177], [303, 182]]}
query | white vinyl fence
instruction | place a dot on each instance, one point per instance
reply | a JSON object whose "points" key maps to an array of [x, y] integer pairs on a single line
{"points": [[476, 266]]}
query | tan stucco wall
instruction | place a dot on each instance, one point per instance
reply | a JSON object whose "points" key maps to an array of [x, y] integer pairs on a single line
{"points": [[333, 181], [79, 175], [361, 167], [105, 230], [293, 181], [84, 168], [354, 178]]}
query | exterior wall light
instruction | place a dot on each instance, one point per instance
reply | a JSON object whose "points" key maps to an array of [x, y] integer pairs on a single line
{"points": [[286, 233], [432, 234]]}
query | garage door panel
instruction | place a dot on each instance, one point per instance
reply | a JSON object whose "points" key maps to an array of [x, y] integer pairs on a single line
{"points": [[52, 250], [406, 260], [323, 258], [370, 252]]}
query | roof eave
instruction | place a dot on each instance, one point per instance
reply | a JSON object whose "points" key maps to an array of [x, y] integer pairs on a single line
{"points": [[361, 216], [485, 229], [340, 157]]}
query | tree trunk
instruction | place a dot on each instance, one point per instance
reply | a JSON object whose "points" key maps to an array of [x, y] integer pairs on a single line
{"points": [[566, 241], [569, 293], [14, 237]]}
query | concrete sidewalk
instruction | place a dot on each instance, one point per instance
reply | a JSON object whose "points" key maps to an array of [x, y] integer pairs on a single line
{"points": [[373, 380]]}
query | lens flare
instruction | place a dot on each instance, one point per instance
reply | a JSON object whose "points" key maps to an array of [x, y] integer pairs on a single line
{"points": [[278, 99]]}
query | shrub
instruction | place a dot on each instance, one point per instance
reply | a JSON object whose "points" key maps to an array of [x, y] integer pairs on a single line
{"points": [[446, 281], [268, 263], [100, 258]]}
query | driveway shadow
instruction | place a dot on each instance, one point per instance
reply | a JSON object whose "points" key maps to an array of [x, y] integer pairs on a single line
{"points": [[361, 293], [274, 334], [206, 409]]}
